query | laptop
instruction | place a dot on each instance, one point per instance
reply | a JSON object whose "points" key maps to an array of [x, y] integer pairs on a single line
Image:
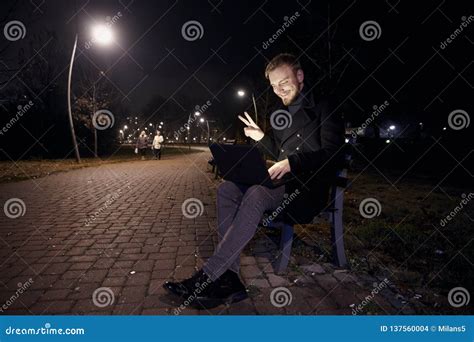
{"points": [[244, 164]]}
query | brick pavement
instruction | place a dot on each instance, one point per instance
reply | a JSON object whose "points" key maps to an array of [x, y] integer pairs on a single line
{"points": [[102, 240]]}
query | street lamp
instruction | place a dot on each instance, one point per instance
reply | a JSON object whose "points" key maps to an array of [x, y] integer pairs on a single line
{"points": [[241, 93], [209, 139], [207, 124], [189, 124], [103, 35]]}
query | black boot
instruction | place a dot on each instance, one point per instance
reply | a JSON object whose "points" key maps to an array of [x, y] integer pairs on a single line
{"points": [[226, 289], [202, 293], [185, 288]]}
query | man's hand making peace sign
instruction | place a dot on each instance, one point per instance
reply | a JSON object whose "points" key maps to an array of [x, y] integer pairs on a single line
{"points": [[252, 130], [279, 169]]}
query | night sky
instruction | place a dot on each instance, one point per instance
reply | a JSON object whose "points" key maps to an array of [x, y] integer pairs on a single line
{"points": [[405, 65]]}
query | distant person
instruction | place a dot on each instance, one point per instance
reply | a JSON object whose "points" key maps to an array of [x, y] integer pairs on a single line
{"points": [[156, 145], [142, 144]]}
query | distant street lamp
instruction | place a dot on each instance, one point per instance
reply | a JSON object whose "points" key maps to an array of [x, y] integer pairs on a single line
{"points": [[189, 124], [208, 131], [209, 139], [241, 93]]}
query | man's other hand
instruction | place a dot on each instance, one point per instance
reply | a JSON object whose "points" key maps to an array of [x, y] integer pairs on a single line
{"points": [[279, 169]]}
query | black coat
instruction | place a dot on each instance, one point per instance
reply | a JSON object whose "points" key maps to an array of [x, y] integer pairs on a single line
{"points": [[313, 145]]}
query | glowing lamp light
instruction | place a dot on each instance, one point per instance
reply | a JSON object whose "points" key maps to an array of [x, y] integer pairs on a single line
{"points": [[102, 34]]}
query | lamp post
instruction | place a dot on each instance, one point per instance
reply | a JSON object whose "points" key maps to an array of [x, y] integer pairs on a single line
{"points": [[207, 124], [241, 93], [103, 35], [189, 127], [71, 123], [208, 130]]}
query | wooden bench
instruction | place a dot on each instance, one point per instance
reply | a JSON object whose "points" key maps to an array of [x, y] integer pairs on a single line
{"points": [[333, 212]]}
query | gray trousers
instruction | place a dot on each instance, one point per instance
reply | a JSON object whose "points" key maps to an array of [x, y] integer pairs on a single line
{"points": [[240, 208]]}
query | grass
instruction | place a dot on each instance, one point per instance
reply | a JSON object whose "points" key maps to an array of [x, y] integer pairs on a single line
{"points": [[32, 169], [406, 242]]}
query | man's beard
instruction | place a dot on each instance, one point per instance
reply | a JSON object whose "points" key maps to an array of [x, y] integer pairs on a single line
{"points": [[290, 100]]}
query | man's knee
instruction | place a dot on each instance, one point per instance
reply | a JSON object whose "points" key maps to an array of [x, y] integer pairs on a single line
{"points": [[226, 189], [256, 194]]}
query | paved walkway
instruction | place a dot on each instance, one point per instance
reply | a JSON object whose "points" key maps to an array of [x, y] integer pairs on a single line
{"points": [[102, 240]]}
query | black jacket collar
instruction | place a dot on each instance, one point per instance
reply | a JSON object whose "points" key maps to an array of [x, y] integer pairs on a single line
{"points": [[304, 100]]}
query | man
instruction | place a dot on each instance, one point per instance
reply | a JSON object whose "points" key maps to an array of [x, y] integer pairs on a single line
{"points": [[306, 149], [156, 146]]}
